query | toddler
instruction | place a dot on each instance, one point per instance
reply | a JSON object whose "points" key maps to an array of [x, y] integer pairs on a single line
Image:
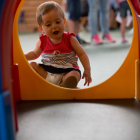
{"points": [[59, 50]]}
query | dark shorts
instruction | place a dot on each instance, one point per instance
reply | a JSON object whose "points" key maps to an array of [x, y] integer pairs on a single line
{"points": [[55, 70], [74, 9], [123, 9]]}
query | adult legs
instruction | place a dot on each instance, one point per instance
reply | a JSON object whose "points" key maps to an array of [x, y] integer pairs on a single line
{"points": [[93, 16], [123, 10], [122, 28], [74, 15], [104, 16], [93, 20], [104, 20], [73, 26]]}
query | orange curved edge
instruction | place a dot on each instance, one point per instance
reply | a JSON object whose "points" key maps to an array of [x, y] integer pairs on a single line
{"points": [[119, 86]]}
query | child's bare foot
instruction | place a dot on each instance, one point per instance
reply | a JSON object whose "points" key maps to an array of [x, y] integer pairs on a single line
{"points": [[70, 82]]}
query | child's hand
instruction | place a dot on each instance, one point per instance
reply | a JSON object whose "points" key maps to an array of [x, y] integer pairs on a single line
{"points": [[87, 77]]}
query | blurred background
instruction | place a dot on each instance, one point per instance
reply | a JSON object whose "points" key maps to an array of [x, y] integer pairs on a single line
{"points": [[27, 18]]}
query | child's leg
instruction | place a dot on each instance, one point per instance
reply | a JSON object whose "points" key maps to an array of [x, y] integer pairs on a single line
{"points": [[71, 73], [71, 79], [39, 69]]}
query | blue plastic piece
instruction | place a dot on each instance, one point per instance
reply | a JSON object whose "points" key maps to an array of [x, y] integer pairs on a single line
{"points": [[0, 76], [6, 120], [2, 2]]}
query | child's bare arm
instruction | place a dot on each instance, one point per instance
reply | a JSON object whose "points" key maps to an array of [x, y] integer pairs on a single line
{"points": [[35, 53], [83, 58]]}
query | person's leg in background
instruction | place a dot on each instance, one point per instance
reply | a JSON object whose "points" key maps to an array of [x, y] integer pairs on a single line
{"points": [[122, 29], [93, 21], [104, 20], [123, 14], [112, 14], [74, 15], [123, 10]]}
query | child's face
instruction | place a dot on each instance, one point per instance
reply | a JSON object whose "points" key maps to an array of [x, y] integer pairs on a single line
{"points": [[53, 25]]}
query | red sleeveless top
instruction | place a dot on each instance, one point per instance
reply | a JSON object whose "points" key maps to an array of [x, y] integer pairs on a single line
{"points": [[61, 54], [64, 46]]}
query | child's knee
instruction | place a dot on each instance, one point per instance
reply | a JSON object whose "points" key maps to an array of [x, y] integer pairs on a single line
{"points": [[77, 75], [74, 73], [33, 65]]}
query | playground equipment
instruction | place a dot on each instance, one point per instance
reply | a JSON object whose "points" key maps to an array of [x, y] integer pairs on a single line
{"points": [[7, 106], [28, 85], [34, 87]]}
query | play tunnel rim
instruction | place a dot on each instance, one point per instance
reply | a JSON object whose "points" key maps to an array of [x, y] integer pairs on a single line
{"points": [[88, 88]]}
